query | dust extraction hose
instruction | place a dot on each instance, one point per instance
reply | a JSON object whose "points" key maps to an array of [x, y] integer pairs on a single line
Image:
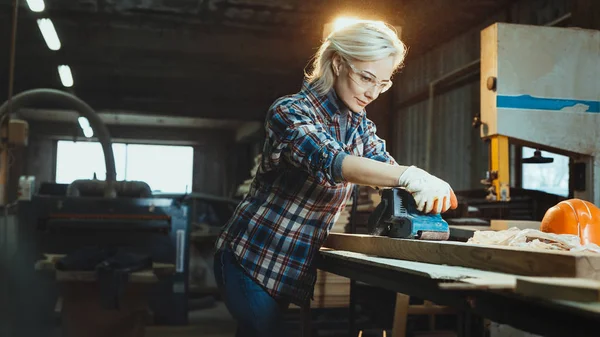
{"points": [[71, 102]]}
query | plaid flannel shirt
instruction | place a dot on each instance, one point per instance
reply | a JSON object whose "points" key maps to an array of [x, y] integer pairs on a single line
{"points": [[298, 192]]}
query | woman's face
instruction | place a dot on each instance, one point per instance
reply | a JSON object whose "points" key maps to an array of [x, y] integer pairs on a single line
{"points": [[359, 83]]}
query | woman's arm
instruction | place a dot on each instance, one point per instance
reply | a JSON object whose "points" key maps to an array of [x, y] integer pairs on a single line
{"points": [[431, 193], [369, 172]]}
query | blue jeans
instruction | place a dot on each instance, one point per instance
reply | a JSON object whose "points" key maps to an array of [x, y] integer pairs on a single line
{"points": [[256, 312]]}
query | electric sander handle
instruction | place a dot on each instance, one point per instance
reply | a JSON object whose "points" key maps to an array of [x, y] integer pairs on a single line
{"points": [[376, 224]]}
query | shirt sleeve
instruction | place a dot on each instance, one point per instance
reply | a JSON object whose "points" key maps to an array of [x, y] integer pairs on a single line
{"points": [[295, 137], [374, 147]]}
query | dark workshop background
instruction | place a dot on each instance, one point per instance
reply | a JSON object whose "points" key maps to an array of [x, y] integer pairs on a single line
{"points": [[204, 72]]}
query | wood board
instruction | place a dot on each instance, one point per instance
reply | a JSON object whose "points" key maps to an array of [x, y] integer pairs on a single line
{"points": [[558, 288], [432, 271], [510, 260], [452, 278], [548, 288], [579, 293], [505, 282], [498, 225]]}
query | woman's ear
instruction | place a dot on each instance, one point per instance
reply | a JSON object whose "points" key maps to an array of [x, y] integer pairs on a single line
{"points": [[335, 64]]}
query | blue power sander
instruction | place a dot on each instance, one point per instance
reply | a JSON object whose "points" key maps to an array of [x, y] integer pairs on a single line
{"points": [[397, 216]]}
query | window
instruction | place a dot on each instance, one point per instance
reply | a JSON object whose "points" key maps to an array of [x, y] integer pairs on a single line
{"points": [[167, 169], [550, 177]]}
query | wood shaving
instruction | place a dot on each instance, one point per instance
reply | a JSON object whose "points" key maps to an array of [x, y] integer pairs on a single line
{"points": [[532, 238]]}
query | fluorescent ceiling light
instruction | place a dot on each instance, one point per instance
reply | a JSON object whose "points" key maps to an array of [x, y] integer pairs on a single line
{"points": [[66, 77], [49, 33], [83, 122], [85, 126], [88, 132], [36, 5]]}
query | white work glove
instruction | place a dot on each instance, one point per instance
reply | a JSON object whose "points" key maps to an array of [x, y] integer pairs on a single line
{"points": [[431, 194]]}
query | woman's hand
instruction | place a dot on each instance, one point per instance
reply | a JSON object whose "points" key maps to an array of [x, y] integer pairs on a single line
{"points": [[431, 194]]}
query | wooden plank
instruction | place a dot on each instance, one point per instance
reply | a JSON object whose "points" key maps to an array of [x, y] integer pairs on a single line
{"points": [[504, 282], [511, 260], [452, 277], [549, 288], [580, 290], [460, 278], [432, 271], [498, 225], [400, 315]]}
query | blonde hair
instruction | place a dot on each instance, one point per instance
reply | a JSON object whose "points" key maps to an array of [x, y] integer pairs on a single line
{"points": [[364, 40]]}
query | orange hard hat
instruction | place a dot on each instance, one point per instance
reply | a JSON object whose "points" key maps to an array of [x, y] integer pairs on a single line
{"points": [[573, 216]]}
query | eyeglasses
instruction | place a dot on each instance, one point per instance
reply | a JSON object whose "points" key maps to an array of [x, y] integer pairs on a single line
{"points": [[367, 80]]}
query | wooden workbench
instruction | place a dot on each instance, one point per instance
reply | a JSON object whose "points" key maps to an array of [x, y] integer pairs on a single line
{"points": [[532, 313], [80, 304], [545, 292]]}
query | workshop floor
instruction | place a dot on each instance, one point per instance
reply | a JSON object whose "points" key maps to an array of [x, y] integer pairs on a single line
{"points": [[210, 322]]}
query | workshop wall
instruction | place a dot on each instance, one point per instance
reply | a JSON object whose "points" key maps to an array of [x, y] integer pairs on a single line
{"points": [[211, 169], [457, 153], [211, 148]]}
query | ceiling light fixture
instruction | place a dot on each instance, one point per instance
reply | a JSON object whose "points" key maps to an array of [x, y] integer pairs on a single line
{"points": [[66, 77], [49, 33], [83, 122], [36, 5], [85, 126], [88, 132]]}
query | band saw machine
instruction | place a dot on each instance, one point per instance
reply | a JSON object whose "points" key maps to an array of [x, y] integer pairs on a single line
{"points": [[540, 87]]}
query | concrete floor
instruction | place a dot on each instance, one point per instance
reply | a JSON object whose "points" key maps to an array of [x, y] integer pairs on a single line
{"points": [[210, 322]]}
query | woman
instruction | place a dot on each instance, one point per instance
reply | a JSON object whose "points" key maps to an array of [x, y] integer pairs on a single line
{"points": [[319, 143]]}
